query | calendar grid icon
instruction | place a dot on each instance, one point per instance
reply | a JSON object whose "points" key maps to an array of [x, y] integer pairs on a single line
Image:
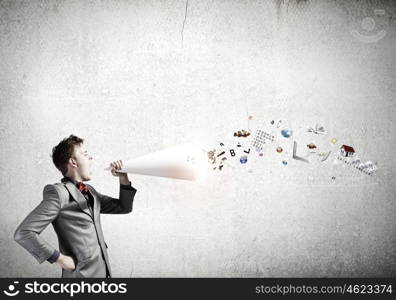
{"points": [[260, 138]]}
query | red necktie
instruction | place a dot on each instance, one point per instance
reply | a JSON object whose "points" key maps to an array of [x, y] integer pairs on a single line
{"points": [[82, 187]]}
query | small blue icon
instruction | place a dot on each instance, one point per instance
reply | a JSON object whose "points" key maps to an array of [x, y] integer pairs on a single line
{"points": [[243, 159], [287, 132]]}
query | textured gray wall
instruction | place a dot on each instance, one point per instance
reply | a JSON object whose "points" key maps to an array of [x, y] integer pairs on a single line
{"points": [[133, 77]]}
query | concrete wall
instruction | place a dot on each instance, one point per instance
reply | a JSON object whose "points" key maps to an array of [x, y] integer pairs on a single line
{"points": [[132, 77]]}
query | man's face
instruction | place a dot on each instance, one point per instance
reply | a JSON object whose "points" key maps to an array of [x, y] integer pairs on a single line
{"points": [[83, 159]]}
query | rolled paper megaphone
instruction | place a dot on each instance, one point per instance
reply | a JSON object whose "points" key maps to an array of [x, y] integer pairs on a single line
{"points": [[182, 162]]}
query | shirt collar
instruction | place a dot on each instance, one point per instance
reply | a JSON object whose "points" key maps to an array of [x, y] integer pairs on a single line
{"points": [[75, 182]]}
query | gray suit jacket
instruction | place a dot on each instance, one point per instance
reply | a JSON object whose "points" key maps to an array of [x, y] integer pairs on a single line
{"points": [[79, 231]]}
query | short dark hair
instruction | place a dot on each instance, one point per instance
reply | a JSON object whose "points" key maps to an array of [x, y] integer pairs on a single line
{"points": [[62, 152]]}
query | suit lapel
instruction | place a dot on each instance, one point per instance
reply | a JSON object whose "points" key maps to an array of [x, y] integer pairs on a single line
{"points": [[78, 197], [96, 205]]}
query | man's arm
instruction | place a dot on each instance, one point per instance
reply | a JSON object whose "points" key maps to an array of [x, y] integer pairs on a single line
{"points": [[123, 205], [28, 232]]}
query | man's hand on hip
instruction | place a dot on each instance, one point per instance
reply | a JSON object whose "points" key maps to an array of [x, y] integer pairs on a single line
{"points": [[66, 262]]}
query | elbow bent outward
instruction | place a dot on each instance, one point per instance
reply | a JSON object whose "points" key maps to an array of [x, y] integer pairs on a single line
{"points": [[18, 236]]}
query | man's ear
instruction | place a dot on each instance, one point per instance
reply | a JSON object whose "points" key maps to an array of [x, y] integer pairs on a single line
{"points": [[73, 163]]}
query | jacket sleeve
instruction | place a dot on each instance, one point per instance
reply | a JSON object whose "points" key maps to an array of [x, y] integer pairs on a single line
{"points": [[123, 205], [28, 232]]}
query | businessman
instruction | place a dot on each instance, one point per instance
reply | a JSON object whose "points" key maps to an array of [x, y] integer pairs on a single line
{"points": [[74, 210]]}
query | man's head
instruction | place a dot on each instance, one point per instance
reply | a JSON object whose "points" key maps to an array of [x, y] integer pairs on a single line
{"points": [[72, 159]]}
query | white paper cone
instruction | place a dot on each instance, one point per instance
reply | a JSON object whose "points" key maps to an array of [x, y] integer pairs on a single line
{"points": [[183, 162]]}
